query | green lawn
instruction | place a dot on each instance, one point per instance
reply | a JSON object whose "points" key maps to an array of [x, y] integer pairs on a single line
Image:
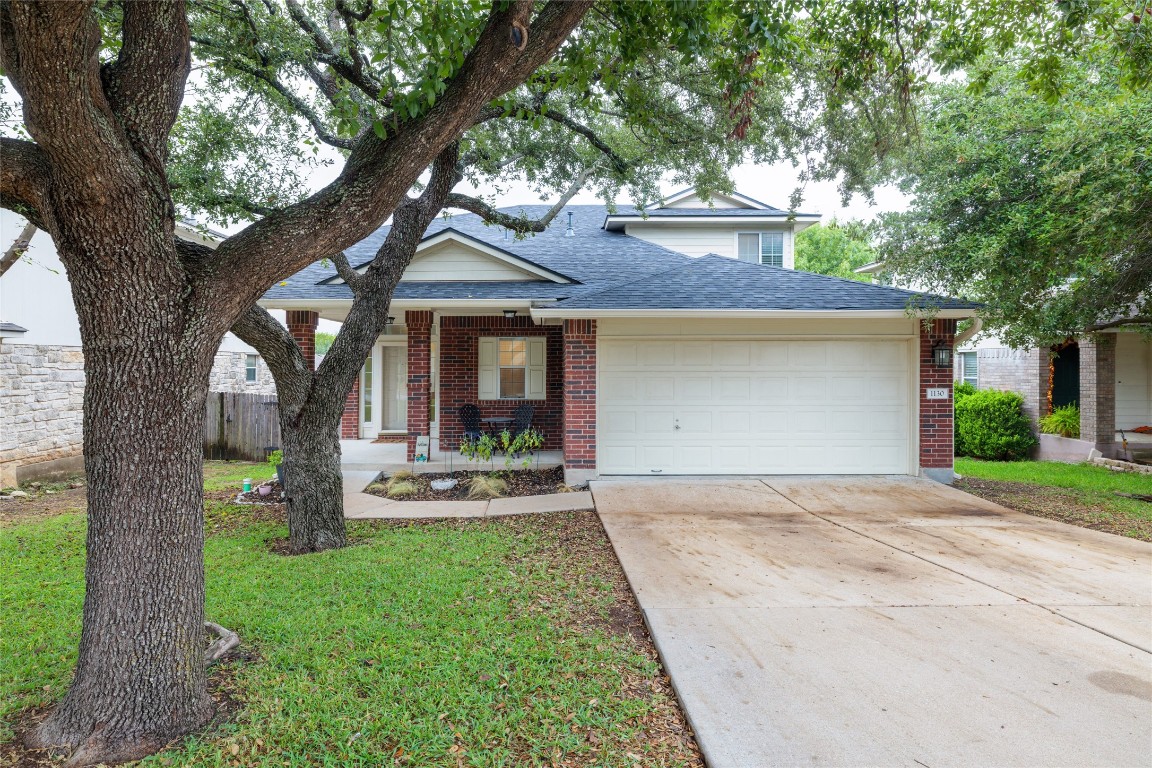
{"points": [[1090, 489], [455, 643], [219, 475]]}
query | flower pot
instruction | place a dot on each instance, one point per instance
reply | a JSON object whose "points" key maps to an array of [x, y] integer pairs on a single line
{"points": [[264, 490]]}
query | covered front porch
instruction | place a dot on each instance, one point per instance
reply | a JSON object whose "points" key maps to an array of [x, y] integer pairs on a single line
{"points": [[404, 410]]}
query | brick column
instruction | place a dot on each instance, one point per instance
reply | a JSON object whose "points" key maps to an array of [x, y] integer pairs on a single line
{"points": [[936, 416], [350, 418], [419, 375], [1098, 391], [302, 327], [579, 401]]}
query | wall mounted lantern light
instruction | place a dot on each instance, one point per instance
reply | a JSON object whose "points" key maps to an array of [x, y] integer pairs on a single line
{"points": [[942, 355]]}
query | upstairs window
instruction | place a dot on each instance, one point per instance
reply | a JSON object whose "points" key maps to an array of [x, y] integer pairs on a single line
{"points": [[761, 248], [250, 373], [512, 368]]}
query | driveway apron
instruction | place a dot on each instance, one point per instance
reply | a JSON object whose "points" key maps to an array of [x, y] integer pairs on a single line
{"points": [[887, 621]]}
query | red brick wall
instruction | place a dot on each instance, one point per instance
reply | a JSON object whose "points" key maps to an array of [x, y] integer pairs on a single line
{"points": [[936, 429], [302, 327], [350, 419], [459, 352], [419, 374], [580, 394]]}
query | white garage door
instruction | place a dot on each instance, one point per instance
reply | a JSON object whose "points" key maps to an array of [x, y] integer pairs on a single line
{"points": [[727, 406]]}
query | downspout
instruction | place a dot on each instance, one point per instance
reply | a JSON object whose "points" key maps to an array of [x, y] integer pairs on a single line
{"points": [[972, 330]]}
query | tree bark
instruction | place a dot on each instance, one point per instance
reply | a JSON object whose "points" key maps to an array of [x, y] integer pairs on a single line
{"points": [[140, 679]]}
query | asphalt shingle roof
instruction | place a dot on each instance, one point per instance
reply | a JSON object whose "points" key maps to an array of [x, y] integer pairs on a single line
{"points": [[616, 271]]}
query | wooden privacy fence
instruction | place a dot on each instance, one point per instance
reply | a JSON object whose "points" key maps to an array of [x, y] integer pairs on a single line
{"points": [[241, 426]]}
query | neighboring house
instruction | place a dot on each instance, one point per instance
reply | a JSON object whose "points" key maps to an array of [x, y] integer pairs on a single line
{"points": [[42, 365], [1107, 374], [672, 340]]}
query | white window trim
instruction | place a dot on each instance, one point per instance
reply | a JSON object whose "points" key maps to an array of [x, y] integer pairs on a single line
{"points": [[254, 367], [784, 240], [535, 368]]}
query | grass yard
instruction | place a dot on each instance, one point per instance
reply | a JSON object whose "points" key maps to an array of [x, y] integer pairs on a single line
{"points": [[1080, 494], [455, 643]]}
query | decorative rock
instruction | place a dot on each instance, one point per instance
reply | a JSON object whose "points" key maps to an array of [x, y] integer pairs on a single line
{"points": [[17, 494], [444, 485]]}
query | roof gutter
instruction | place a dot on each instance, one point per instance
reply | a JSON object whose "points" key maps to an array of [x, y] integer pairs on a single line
{"points": [[811, 314], [972, 330]]}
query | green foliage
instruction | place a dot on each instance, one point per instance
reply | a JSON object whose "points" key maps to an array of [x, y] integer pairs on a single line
{"points": [[991, 424], [1063, 421], [324, 342], [524, 444], [835, 249], [478, 449], [484, 487], [276, 458], [399, 489], [962, 389], [1039, 209], [433, 630]]}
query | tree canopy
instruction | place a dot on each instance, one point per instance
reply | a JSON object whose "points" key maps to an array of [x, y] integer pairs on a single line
{"points": [[1041, 209], [836, 249]]}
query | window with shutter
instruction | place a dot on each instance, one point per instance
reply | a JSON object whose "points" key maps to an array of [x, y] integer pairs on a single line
{"points": [[512, 368]]}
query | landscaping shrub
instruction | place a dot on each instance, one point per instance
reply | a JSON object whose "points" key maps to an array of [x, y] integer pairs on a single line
{"points": [[962, 389], [483, 487], [991, 424], [1064, 421]]}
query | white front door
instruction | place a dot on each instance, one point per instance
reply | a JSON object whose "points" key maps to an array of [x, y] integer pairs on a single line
{"points": [[743, 406], [384, 391]]}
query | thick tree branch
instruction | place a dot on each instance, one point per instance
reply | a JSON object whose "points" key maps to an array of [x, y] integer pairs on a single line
{"points": [[349, 275], [24, 179], [352, 71], [18, 247], [257, 328], [518, 223], [145, 84]]}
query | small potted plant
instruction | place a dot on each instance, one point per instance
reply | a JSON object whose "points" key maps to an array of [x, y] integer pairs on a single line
{"points": [[276, 459]]}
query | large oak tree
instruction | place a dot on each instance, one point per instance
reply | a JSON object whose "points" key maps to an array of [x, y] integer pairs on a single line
{"points": [[101, 88]]}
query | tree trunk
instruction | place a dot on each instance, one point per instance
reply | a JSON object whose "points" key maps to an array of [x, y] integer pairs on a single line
{"points": [[140, 677], [311, 443]]}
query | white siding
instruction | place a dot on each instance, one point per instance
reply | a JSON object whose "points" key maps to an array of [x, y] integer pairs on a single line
{"points": [[35, 293], [702, 239], [453, 261], [1133, 381]]}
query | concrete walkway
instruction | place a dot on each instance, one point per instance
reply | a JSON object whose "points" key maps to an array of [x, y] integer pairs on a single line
{"points": [[887, 621]]}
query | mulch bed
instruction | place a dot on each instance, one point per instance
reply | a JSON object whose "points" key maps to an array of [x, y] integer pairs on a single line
{"points": [[275, 496], [42, 503], [521, 482], [1055, 504]]}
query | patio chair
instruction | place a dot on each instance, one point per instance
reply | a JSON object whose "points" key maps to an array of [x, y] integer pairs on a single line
{"points": [[522, 418], [469, 415]]}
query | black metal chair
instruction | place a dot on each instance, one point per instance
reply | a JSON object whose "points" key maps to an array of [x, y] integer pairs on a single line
{"points": [[469, 414], [522, 418]]}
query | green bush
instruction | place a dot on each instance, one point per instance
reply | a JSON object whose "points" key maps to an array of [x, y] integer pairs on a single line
{"points": [[1064, 421], [963, 389], [991, 424]]}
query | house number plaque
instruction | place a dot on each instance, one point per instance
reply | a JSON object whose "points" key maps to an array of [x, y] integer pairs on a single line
{"points": [[936, 393]]}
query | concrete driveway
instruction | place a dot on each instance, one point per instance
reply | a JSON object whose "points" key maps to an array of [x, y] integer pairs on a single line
{"points": [[886, 622]]}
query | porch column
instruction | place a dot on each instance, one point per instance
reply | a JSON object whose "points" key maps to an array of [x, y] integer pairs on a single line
{"points": [[419, 375], [579, 401], [350, 418], [1098, 391], [302, 327], [936, 416]]}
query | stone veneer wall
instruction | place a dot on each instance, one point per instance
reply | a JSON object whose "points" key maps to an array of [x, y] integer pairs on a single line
{"points": [[42, 406], [41, 409], [229, 371]]}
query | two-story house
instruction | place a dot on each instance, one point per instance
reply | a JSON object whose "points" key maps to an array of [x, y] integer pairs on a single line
{"points": [[677, 339]]}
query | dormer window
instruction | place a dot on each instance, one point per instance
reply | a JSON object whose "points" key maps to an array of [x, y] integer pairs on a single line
{"points": [[761, 248]]}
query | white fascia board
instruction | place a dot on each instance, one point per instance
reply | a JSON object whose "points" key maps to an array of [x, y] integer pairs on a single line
{"points": [[870, 269], [690, 192], [813, 314], [429, 304]]}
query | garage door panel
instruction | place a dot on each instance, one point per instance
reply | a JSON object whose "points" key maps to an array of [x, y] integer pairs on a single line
{"points": [[754, 406]]}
